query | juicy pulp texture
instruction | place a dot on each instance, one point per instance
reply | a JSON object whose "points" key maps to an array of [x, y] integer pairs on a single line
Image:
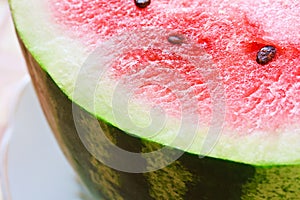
{"points": [[262, 102], [258, 97]]}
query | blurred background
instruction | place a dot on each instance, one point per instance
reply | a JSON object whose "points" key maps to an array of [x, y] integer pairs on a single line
{"points": [[12, 71], [12, 66]]}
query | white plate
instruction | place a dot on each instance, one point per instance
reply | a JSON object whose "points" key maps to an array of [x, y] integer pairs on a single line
{"points": [[35, 167]]}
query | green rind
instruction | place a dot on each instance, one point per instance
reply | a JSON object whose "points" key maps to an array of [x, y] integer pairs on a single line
{"points": [[187, 178]]}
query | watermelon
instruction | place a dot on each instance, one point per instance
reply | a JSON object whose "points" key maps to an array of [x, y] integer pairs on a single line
{"points": [[170, 99]]}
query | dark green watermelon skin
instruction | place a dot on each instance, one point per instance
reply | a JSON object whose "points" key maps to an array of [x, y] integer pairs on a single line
{"points": [[187, 178]]}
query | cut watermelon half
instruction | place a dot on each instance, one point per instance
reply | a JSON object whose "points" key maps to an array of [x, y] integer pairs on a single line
{"points": [[203, 78], [216, 60]]}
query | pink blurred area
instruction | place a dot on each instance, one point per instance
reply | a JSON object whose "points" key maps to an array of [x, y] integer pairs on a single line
{"points": [[12, 66]]}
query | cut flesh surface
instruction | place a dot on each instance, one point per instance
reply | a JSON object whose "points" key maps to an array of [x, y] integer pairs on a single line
{"points": [[115, 61]]}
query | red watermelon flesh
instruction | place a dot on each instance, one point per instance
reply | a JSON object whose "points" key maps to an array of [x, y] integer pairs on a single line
{"points": [[258, 97]]}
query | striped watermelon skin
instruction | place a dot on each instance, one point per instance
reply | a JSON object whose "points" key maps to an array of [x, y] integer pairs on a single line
{"points": [[189, 177]]}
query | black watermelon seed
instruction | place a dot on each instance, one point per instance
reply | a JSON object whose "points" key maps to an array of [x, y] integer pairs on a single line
{"points": [[176, 39], [142, 3], [265, 55]]}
